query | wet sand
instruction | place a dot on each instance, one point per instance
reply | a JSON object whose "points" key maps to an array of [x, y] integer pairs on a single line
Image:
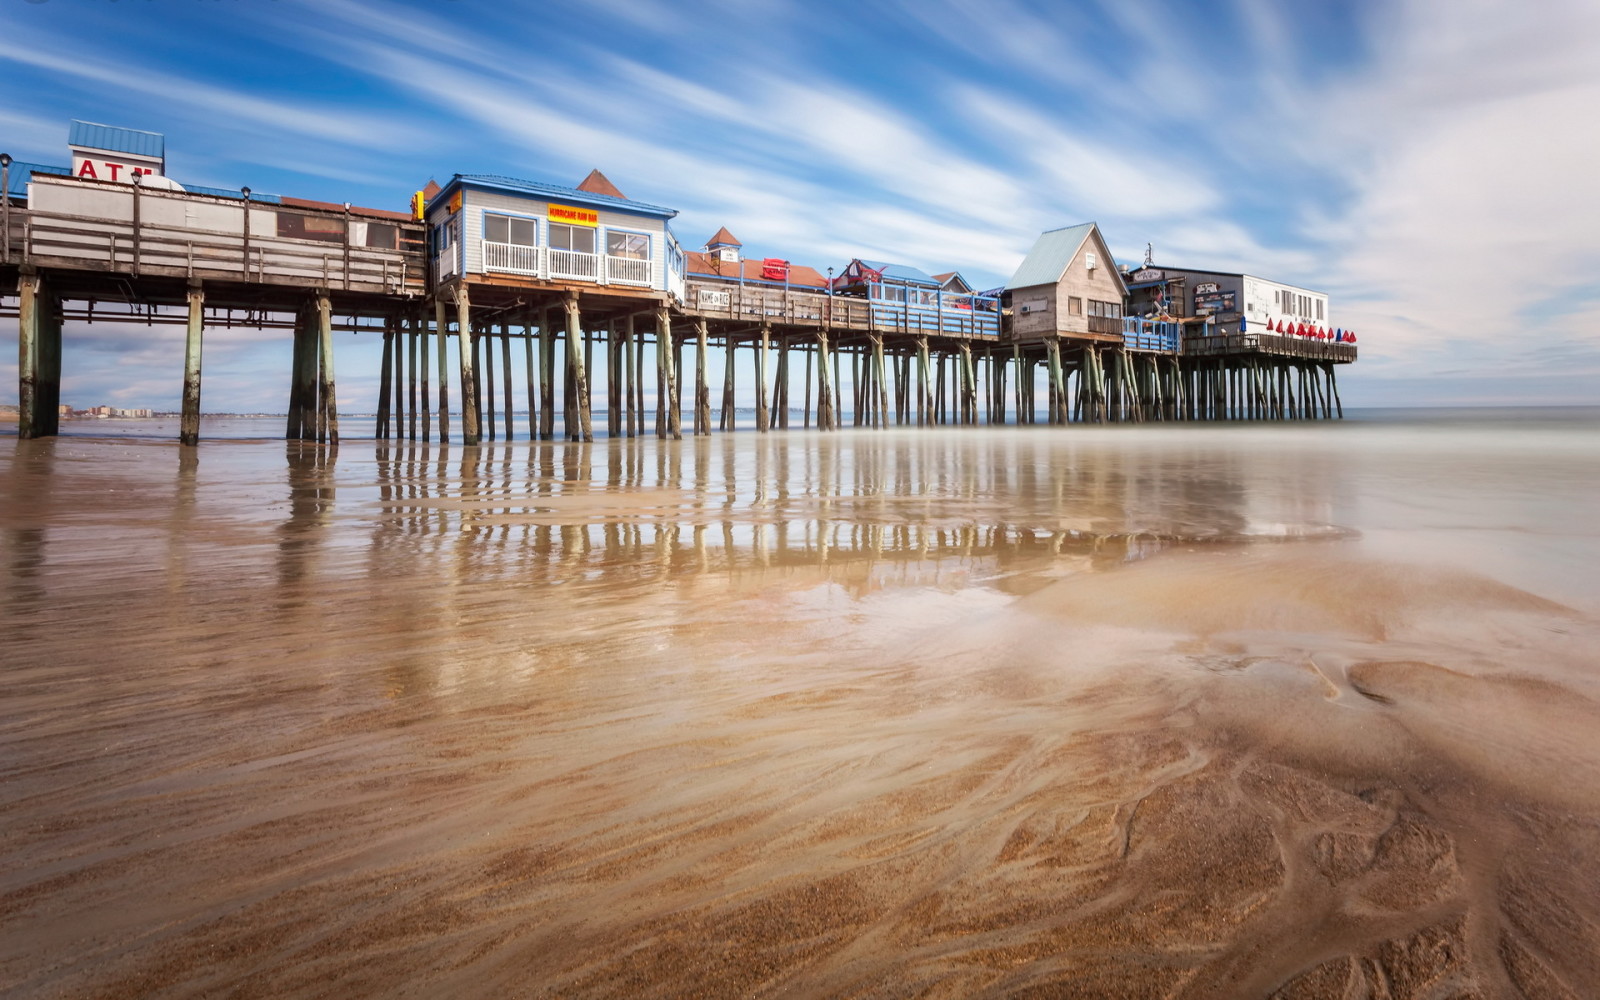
{"points": [[1285, 712]]}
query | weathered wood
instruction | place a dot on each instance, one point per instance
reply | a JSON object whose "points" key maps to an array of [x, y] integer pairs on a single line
{"points": [[442, 330], [547, 376], [471, 432], [702, 392], [580, 378], [328, 401], [425, 406], [613, 398], [414, 321], [505, 368], [727, 419], [189, 423], [763, 415], [385, 378], [825, 415], [533, 382], [483, 379], [665, 347]]}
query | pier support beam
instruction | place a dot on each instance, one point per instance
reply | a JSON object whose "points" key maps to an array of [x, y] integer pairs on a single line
{"points": [[302, 424], [763, 415], [189, 423], [580, 378], [826, 421], [385, 380], [505, 367], [443, 329], [702, 392], [471, 433], [672, 425], [38, 358], [327, 401]]}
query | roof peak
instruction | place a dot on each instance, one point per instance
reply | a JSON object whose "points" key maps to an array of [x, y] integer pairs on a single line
{"points": [[598, 183], [724, 238]]}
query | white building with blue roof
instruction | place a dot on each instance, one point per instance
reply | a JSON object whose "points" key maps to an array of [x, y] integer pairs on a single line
{"points": [[498, 230], [110, 153]]}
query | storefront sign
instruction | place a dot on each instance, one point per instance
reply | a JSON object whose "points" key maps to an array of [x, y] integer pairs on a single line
{"points": [[96, 168], [1149, 274], [715, 299], [1207, 288], [1213, 302], [574, 216]]}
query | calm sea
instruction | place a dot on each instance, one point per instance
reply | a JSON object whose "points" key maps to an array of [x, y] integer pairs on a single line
{"points": [[1297, 710]]}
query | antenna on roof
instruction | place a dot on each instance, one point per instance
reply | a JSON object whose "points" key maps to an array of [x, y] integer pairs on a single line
{"points": [[1149, 255]]}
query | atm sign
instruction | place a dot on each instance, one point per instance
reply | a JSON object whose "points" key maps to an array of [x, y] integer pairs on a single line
{"points": [[573, 216]]}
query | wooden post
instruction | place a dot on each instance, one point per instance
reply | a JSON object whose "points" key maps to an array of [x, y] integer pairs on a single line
{"points": [[1058, 409], [414, 320], [1333, 387], [729, 418], [483, 378], [327, 401], [805, 397], [471, 433], [580, 378], [969, 387], [702, 392], [505, 366], [613, 400], [424, 406], [189, 425], [34, 308], [883, 388], [533, 383], [631, 416], [443, 331], [547, 377], [924, 392], [386, 370], [825, 415], [673, 427], [385, 379], [638, 381], [763, 415]]}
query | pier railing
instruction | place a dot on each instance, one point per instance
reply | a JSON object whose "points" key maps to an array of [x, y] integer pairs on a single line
{"points": [[149, 233], [1269, 343], [1149, 335], [791, 306]]}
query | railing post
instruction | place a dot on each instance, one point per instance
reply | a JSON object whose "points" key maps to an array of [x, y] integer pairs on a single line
{"points": [[136, 186], [5, 207]]}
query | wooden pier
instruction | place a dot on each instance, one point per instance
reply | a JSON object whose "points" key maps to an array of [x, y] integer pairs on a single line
{"points": [[86, 251]]}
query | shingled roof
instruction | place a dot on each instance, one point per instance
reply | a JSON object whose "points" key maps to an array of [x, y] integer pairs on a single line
{"points": [[597, 183]]}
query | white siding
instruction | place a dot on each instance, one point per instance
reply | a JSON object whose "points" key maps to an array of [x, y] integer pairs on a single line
{"points": [[476, 202]]}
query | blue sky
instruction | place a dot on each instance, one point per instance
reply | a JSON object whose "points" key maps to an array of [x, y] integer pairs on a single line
{"points": [[1429, 163]]}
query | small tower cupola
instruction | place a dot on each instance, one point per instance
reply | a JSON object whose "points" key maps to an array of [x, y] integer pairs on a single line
{"points": [[598, 183], [724, 246]]}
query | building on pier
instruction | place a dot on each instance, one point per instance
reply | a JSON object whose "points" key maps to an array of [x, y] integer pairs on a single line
{"points": [[500, 231], [1225, 303], [905, 299], [722, 259], [1067, 287]]}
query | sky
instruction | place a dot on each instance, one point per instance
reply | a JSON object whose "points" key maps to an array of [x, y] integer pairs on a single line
{"points": [[1430, 164]]}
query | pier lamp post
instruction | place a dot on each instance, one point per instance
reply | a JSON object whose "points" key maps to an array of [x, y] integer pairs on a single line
{"points": [[5, 207], [244, 194]]}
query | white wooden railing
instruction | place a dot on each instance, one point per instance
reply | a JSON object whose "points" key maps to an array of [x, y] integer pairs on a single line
{"points": [[629, 271], [511, 257], [573, 264]]}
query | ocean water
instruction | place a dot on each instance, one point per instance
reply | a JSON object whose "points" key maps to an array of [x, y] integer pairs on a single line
{"points": [[1298, 710]]}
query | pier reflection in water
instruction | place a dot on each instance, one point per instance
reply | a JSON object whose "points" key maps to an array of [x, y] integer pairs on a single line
{"points": [[985, 713]]}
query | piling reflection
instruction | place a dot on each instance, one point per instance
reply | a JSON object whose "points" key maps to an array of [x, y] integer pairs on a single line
{"points": [[627, 507]]}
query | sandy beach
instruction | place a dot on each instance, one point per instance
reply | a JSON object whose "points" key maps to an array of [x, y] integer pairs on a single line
{"points": [[1192, 712]]}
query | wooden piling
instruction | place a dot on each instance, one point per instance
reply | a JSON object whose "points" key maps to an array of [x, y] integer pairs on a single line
{"points": [[825, 415], [580, 378], [547, 376], [533, 382], [471, 432], [385, 380], [664, 346], [327, 401], [442, 324], [505, 369], [702, 392], [189, 424], [414, 321], [763, 415]]}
